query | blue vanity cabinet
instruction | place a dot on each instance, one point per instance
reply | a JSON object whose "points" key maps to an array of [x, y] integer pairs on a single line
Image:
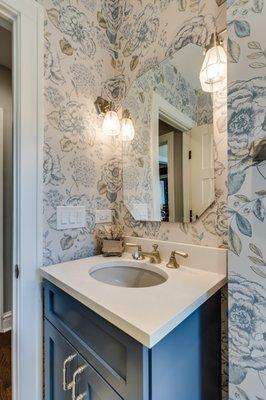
{"points": [[119, 359], [67, 371], [57, 353], [89, 385], [184, 365]]}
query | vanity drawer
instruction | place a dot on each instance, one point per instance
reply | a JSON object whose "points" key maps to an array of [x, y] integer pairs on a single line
{"points": [[120, 359]]}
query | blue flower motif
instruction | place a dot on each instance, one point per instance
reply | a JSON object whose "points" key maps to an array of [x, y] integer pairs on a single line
{"points": [[51, 167], [247, 324], [246, 102]]}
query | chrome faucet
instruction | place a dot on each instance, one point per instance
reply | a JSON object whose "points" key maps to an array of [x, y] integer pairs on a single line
{"points": [[137, 254], [172, 263], [155, 257]]}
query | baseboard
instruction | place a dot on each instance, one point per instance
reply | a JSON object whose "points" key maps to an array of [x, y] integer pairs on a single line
{"points": [[6, 322]]}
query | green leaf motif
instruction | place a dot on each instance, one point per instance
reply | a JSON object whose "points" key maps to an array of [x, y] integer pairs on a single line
{"points": [[255, 250], [242, 28], [257, 65], [242, 198], [53, 16], [254, 56], [254, 45], [233, 51], [257, 261], [243, 225], [101, 20], [235, 244], [53, 118], [258, 271]]}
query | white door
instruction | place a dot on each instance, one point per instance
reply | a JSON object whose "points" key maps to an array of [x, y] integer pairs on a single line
{"points": [[26, 18], [202, 169], [1, 226]]}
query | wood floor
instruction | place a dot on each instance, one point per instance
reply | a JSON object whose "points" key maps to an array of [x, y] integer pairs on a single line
{"points": [[5, 366]]}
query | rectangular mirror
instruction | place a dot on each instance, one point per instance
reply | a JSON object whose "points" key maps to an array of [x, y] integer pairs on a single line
{"points": [[168, 167]]}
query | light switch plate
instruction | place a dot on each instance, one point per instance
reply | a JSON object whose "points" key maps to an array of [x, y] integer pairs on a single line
{"points": [[103, 216], [69, 217]]}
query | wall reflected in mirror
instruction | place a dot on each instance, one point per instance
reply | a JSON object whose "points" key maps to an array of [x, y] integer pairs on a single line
{"points": [[168, 167]]}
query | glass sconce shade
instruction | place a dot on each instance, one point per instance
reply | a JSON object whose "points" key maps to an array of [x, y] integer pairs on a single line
{"points": [[111, 124], [127, 129], [213, 70]]}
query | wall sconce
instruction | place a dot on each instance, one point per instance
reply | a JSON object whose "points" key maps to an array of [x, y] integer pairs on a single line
{"points": [[213, 70], [127, 128], [111, 124]]}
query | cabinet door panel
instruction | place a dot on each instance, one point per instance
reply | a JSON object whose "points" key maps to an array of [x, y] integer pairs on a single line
{"points": [[91, 385], [58, 354]]}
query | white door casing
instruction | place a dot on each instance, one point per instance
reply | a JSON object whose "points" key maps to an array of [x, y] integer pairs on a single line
{"points": [[162, 109], [202, 169], [26, 17]]}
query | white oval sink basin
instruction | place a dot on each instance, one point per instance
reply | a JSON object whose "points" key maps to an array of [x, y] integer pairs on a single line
{"points": [[128, 274]]}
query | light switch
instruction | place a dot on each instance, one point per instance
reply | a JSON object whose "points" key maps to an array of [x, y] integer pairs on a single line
{"points": [[70, 217], [103, 216]]}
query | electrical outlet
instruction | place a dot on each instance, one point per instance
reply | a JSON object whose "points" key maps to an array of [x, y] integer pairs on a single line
{"points": [[103, 216], [70, 217]]}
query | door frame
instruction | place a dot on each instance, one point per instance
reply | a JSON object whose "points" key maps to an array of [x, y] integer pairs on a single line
{"points": [[26, 17], [162, 109]]}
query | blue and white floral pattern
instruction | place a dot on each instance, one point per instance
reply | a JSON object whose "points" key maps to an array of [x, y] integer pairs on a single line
{"points": [[247, 324], [247, 194]]}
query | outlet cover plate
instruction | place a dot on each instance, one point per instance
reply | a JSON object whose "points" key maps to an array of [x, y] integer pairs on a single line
{"points": [[103, 216]]}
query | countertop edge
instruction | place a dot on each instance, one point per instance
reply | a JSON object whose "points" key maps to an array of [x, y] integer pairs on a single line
{"points": [[148, 340]]}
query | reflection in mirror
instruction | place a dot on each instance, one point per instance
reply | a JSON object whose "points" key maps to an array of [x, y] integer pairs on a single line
{"points": [[168, 168]]}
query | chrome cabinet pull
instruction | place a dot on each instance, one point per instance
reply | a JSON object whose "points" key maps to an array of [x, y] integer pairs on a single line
{"points": [[76, 373], [67, 386]]}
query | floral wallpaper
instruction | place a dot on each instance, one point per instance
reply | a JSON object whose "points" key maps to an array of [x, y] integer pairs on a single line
{"points": [[80, 166], [247, 201]]}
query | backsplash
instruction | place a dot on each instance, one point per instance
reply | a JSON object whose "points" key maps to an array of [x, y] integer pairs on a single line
{"points": [[247, 179]]}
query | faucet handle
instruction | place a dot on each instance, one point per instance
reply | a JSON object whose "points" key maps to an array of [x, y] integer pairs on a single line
{"points": [[172, 263], [180, 253], [155, 246]]}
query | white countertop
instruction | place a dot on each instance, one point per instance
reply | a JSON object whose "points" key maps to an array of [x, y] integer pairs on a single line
{"points": [[147, 314]]}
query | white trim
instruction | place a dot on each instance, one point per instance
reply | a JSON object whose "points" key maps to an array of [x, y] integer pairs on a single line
{"points": [[1, 221], [162, 109], [26, 17], [6, 322], [171, 115], [169, 139]]}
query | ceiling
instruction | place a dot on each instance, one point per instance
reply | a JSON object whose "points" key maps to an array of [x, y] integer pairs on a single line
{"points": [[5, 47]]}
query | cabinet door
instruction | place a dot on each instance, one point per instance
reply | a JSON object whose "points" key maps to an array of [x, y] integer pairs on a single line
{"points": [[89, 385], [61, 360]]}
